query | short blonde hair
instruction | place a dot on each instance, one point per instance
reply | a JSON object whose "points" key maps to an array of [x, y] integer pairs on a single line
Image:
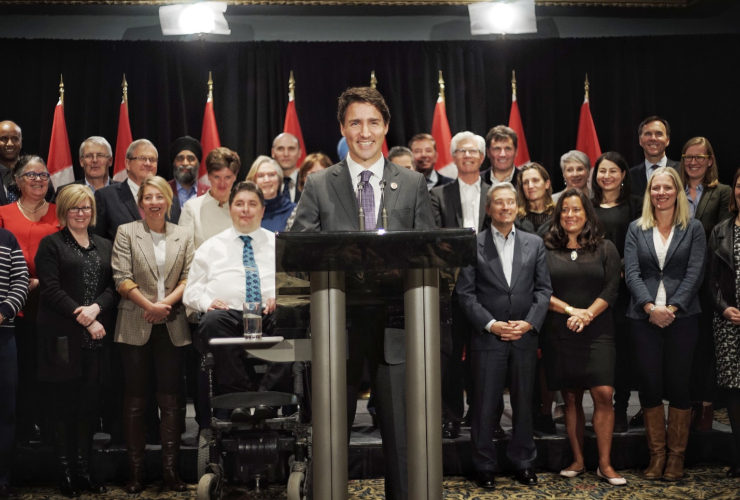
{"points": [[256, 166], [681, 213], [70, 196], [159, 183]]}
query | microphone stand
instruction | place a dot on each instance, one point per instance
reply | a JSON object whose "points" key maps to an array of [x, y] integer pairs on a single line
{"points": [[361, 213], [384, 212]]}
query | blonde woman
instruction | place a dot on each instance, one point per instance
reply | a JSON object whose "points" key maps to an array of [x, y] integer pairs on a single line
{"points": [[664, 264]]}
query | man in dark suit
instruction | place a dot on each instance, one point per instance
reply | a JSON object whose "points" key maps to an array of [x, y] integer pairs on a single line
{"points": [[286, 150], [654, 134], [501, 147], [185, 154], [329, 202], [96, 157], [424, 149], [117, 204], [11, 142], [505, 295]]}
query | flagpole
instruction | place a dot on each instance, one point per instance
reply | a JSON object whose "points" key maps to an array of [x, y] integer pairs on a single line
{"points": [[586, 86], [441, 87], [210, 87], [513, 85], [373, 80], [61, 90], [291, 87], [124, 86]]}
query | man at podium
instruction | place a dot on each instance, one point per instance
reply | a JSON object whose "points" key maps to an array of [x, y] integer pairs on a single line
{"points": [[332, 200]]}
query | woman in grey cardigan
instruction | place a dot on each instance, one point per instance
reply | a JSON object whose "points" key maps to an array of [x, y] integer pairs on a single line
{"points": [[664, 265]]}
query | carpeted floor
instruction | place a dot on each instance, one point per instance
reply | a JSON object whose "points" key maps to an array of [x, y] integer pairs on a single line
{"points": [[701, 483]]}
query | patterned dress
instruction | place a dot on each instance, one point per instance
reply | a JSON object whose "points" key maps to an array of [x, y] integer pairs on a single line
{"points": [[727, 335]]}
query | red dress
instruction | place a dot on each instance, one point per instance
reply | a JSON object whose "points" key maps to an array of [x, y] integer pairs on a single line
{"points": [[28, 233]]}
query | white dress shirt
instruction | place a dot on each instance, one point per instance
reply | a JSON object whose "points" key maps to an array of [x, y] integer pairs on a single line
{"points": [[505, 250], [649, 166], [160, 255], [661, 250], [134, 189], [217, 271], [377, 168], [470, 199]]}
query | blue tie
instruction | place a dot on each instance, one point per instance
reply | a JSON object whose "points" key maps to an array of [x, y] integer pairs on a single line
{"points": [[251, 273]]}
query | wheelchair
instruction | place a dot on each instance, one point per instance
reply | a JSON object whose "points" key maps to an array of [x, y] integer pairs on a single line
{"points": [[242, 450]]}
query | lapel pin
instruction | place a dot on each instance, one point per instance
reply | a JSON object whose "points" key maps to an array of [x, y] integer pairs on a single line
{"points": [[394, 185]]}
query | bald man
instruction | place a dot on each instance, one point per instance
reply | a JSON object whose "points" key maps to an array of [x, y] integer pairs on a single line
{"points": [[286, 149], [11, 141]]}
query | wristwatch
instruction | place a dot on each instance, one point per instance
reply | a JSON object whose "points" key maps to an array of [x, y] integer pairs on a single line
{"points": [[569, 310], [652, 308]]}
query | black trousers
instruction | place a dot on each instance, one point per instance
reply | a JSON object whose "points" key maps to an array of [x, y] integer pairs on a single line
{"points": [[732, 397], [665, 350], [29, 393], [167, 359], [78, 400]]}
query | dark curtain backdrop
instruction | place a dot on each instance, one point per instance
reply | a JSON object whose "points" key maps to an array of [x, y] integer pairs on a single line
{"points": [[687, 80]]}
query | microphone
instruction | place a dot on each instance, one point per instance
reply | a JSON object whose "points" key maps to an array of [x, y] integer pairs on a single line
{"points": [[384, 213], [361, 213]]}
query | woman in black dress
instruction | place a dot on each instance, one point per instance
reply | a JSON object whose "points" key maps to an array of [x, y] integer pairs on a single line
{"points": [[724, 283], [535, 197], [616, 207], [579, 347], [76, 308]]}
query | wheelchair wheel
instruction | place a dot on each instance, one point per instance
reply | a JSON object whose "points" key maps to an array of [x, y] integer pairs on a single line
{"points": [[207, 487], [204, 438], [295, 484]]}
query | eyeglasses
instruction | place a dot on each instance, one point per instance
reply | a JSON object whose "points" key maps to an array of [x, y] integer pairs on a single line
{"points": [[144, 159], [96, 156], [690, 158], [463, 152], [182, 158], [84, 210], [32, 176]]}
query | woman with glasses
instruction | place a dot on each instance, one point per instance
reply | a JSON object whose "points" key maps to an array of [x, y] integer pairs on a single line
{"points": [[30, 219], [267, 174], [709, 202], [76, 311]]}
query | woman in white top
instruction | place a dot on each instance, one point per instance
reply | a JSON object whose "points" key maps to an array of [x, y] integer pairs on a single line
{"points": [[664, 263]]}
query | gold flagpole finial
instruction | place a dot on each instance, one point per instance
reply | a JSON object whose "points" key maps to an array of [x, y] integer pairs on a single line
{"points": [[586, 86], [124, 86], [373, 80], [61, 89], [513, 82], [441, 87], [291, 87], [210, 86]]}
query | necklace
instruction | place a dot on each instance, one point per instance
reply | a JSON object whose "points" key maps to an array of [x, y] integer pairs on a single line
{"points": [[29, 210]]}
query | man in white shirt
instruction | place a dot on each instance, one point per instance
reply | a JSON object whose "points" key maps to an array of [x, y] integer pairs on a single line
{"points": [[286, 149], [217, 285]]}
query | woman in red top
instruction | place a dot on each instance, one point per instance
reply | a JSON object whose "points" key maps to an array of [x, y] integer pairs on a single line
{"points": [[29, 219]]}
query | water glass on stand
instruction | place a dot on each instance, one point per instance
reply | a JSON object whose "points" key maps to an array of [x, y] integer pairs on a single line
{"points": [[252, 316]]}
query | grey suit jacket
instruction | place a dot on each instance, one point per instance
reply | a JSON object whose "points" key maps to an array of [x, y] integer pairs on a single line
{"points": [[682, 272], [133, 260], [447, 205], [485, 294], [328, 202]]}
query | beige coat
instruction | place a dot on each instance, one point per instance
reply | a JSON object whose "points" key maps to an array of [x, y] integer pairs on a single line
{"points": [[134, 264]]}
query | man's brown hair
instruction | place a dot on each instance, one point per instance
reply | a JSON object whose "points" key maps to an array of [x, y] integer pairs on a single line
{"points": [[366, 95]]}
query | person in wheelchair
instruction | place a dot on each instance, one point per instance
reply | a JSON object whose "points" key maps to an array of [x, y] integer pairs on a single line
{"points": [[230, 268]]}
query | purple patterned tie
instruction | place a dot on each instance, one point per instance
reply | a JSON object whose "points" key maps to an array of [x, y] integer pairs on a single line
{"points": [[367, 200]]}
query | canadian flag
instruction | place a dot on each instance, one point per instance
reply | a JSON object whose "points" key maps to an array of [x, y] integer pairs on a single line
{"points": [[293, 126], [515, 123], [443, 139], [123, 141], [209, 141], [60, 156], [588, 141]]}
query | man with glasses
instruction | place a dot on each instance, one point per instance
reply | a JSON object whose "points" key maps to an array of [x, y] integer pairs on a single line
{"points": [[116, 204], [11, 141], [96, 157], [185, 154]]}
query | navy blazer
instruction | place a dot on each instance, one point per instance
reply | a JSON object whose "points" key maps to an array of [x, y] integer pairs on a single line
{"points": [[639, 177], [682, 273], [485, 295]]}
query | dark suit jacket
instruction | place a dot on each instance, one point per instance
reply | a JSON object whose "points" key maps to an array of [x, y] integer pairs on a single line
{"points": [[682, 273], [639, 177], [714, 207], [442, 180], [116, 205], [447, 205], [486, 176], [485, 294], [328, 202], [721, 269], [78, 181]]}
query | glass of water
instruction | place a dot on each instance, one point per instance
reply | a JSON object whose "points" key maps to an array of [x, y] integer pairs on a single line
{"points": [[252, 316]]}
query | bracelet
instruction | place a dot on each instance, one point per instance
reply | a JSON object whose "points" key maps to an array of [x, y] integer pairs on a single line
{"points": [[652, 309], [569, 310]]}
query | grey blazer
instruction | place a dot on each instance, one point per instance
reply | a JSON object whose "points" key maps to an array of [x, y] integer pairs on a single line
{"points": [[485, 295], [682, 273], [133, 259]]}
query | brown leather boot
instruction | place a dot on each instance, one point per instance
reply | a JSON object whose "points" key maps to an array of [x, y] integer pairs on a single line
{"points": [[133, 428], [679, 422], [656, 438], [170, 432], [704, 419]]}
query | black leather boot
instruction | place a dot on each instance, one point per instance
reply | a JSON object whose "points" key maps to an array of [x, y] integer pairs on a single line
{"points": [[65, 478], [133, 428], [84, 448], [170, 432]]}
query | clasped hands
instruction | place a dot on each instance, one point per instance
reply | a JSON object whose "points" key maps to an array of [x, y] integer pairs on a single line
{"points": [[510, 331], [732, 314], [579, 319], [87, 317], [661, 316]]}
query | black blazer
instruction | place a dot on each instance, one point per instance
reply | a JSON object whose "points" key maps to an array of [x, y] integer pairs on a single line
{"points": [[721, 269], [639, 177], [442, 180], [116, 205], [447, 206], [485, 294], [78, 181], [61, 281], [714, 207]]}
